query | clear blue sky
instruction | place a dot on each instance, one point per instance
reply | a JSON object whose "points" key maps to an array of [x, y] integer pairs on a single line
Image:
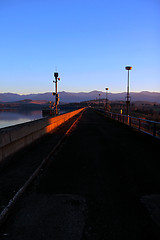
{"points": [[89, 41]]}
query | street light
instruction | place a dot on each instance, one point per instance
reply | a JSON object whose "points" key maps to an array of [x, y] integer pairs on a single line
{"points": [[56, 93], [128, 68], [99, 99], [106, 98]]}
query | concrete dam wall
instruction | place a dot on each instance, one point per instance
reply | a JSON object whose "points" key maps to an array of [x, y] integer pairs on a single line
{"points": [[16, 137]]}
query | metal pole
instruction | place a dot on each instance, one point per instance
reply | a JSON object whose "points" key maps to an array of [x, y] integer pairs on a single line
{"points": [[128, 98], [56, 95], [128, 95], [107, 99], [128, 82]]}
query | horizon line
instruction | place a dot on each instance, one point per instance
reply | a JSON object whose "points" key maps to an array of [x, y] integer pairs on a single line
{"points": [[81, 92]]}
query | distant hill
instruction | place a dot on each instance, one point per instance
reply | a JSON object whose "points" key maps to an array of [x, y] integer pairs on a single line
{"points": [[24, 104], [67, 97]]}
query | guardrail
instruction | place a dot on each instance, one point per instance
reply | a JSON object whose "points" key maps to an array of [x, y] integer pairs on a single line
{"points": [[144, 125]]}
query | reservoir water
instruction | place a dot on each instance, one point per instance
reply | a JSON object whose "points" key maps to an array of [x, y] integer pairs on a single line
{"points": [[13, 117]]}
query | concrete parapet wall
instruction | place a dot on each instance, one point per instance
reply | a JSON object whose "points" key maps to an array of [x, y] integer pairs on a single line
{"points": [[18, 136]]}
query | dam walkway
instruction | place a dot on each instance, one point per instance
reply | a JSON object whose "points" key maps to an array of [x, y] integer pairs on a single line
{"points": [[103, 183]]}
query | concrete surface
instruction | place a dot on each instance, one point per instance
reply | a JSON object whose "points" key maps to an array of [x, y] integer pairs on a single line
{"points": [[16, 170], [94, 188], [19, 136]]}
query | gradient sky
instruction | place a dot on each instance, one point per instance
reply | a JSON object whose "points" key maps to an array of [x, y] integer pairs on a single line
{"points": [[90, 42]]}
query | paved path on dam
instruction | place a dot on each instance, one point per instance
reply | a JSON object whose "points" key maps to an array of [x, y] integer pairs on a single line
{"points": [[103, 183]]}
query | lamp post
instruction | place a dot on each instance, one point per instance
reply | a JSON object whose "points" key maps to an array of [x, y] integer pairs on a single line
{"points": [[106, 98], [128, 68], [99, 99], [56, 93]]}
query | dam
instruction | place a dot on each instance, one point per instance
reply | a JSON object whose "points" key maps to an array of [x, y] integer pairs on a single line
{"points": [[99, 180]]}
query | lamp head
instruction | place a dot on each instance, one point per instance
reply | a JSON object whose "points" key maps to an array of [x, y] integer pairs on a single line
{"points": [[56, 74], [128, 68]]}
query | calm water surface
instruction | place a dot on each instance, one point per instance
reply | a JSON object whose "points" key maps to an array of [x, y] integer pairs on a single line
{"points": [[13, 117]]}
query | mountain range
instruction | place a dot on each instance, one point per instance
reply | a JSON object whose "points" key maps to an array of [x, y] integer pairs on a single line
{"points": [[68, 97]]}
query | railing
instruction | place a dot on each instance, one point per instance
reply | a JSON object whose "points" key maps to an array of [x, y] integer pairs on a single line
{"points": [[144, 125]]}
